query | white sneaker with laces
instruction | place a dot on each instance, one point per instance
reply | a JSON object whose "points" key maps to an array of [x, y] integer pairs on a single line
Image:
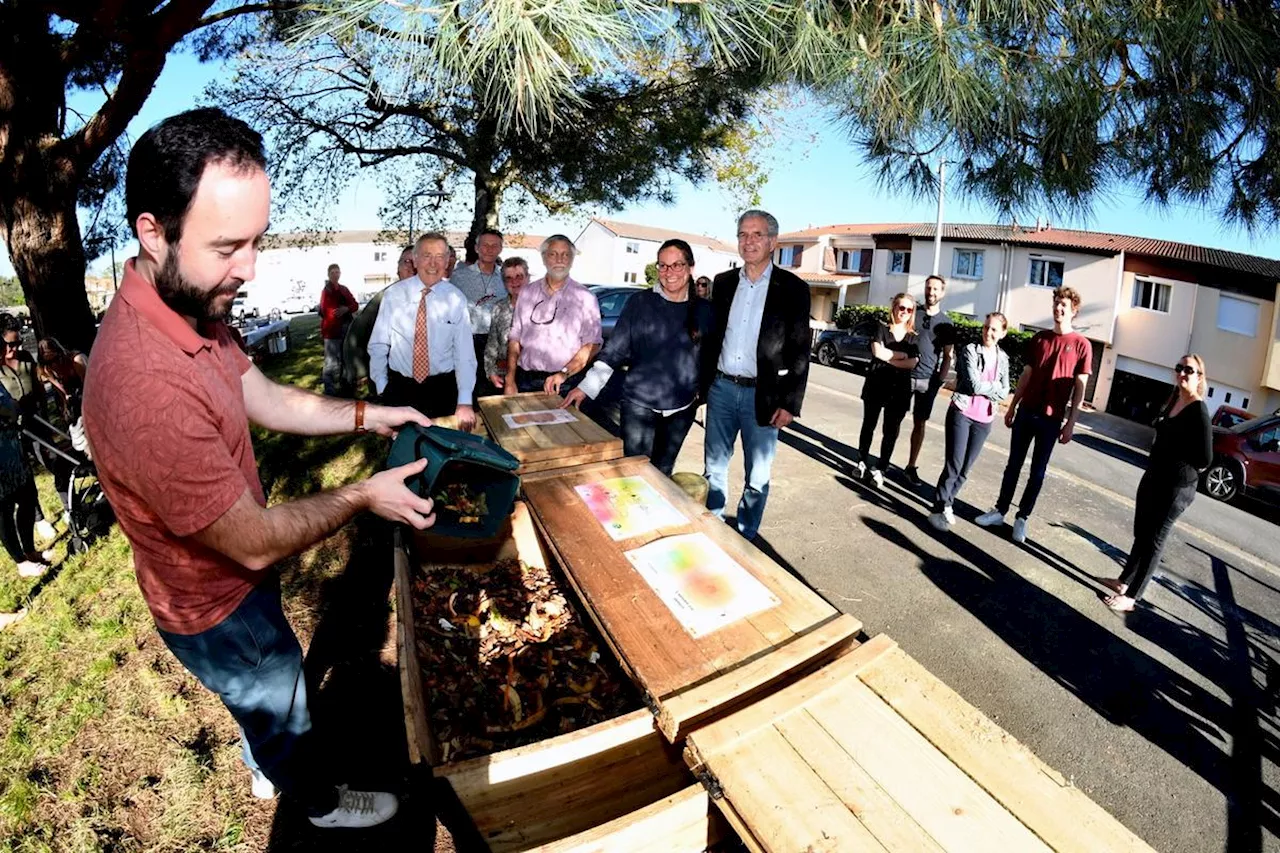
{"points": [[939, 522], [358, 809], [859, 469], [877, 477], [1019, 530], [949, 515], [31, 569], [990, 518], [263, 788], [45, 530]]}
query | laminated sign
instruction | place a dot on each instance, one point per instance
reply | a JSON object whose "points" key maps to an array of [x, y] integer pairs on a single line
{"points": [[628, 506]]}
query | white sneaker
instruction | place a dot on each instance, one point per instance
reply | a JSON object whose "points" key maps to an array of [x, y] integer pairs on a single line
{"points": [[31, 569], [990, 518], [47, 556], [939, 522], [45, 530], [1019, 530], [949, 515], [859, 469], [263, 788], [877, 477], [358, 809], [7, 619]]}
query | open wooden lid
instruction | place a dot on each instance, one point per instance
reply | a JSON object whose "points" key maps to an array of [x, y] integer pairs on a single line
{"points": [[543, 446]]}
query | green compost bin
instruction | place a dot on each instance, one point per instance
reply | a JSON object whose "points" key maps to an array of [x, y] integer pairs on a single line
{"points": [[456, 461]]}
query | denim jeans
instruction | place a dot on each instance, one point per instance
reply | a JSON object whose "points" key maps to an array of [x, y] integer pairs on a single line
{"points": [[965, 438], [649, 433], [332, 373], [1162, 497], [732, 409], [252, 660], [1028, 427]]}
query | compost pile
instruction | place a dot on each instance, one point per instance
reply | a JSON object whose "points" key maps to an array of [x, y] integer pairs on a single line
{"points": [[506, 660]]}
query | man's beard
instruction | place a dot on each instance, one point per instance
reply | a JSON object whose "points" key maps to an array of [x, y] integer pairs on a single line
{"points": [[187, 299]]}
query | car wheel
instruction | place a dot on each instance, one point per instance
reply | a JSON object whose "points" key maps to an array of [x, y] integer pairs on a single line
{"points": [[827, 355], [1222, 481]]}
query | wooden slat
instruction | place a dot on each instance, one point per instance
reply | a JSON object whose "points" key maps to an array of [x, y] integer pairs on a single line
{"points": [[555, 445], [946, 803], [560, 787], [655, 648], [687, 709], [1038, 795], [422, 744], [685, 822]]}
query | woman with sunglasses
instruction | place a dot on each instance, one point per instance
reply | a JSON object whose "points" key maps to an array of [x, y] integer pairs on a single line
{"points": [[20, 377], [1183, 447], [659, 338], [888, 387]]}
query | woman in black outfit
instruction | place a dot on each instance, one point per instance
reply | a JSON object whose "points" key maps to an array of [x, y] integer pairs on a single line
{"points": [[888, 387], [1183, 447]]}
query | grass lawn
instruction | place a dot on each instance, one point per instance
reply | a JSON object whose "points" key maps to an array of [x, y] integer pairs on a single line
{"points": [[107, 744]]}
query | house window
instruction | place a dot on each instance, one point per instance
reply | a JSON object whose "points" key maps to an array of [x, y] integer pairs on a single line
{"points": [[864, 260], [1045, 273], [1151, 295], [899, 262], [630, 277], [379, 257], [633, 248], [1237, 315], [966, 263], [855, 260], [843, 261], [789, 256]]}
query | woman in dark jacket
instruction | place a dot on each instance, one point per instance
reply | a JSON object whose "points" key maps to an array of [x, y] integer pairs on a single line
{"points": [[658, 337], [18, 500], [894, 354], [1182, 448]]}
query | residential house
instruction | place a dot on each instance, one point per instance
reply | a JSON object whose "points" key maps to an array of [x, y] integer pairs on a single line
{"points": [[836, 261], [1145, 302], [611, 252]]}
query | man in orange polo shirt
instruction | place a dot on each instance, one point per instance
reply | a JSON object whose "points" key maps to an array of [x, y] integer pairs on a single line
{"points": [[167, 410]]}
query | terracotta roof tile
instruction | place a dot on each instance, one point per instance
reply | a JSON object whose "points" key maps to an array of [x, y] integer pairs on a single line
{"points": [[867, 228], [659, 235]]}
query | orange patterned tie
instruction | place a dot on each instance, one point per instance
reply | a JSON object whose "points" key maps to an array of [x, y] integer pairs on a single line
{"points": [[421, 357]]}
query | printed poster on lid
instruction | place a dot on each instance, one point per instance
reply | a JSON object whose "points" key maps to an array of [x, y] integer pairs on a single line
{"points": [[628, 506]]}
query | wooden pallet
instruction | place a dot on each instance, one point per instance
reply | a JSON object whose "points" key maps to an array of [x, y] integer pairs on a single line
{"points": [[542, 448]]}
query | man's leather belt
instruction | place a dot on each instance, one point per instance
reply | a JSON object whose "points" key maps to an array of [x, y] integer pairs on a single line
{"points": [[744, 381]]}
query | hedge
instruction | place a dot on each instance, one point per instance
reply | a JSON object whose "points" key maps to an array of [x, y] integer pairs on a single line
{"points": [[967, 331]]}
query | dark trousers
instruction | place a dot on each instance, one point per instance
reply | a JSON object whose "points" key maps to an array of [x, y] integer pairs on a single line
{"points": [[18, 521], [649, 433], [484, 388], [894, 408], [1162, 497], [252, 660], [965, 438], [530, 380], [436, 396], [1028, 428]]}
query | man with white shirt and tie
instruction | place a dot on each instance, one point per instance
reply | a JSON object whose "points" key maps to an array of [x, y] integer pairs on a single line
{"points": [[420, 352], [755, 364]]}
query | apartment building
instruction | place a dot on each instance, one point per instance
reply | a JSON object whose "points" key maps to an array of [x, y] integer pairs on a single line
{"points": [[611, 252], [1145, 302]]}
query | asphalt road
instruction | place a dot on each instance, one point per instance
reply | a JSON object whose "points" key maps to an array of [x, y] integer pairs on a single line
{"points": [[1166, 716]]}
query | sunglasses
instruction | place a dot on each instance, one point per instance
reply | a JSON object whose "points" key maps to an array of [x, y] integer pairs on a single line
{"points": [[907, 308], [13, 344], [1185, 369]]}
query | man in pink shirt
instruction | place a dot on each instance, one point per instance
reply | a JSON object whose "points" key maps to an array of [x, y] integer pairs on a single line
{"points": [[167, 409], [555, 331]]}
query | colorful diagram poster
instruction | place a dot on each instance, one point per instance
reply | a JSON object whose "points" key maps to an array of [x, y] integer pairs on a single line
{"points": [[703, 586], [542, 417], [628, 506]]}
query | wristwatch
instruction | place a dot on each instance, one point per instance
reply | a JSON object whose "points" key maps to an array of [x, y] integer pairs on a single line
{"points": [[564, 371]]}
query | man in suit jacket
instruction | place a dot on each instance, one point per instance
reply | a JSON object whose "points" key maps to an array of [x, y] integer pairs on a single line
{"points": [[755, 364]]}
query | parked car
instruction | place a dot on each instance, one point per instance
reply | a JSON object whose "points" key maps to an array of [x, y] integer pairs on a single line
{"points": [[1228, 416], [1246, 460], [853, 345], [297, 305], [612, 299]]}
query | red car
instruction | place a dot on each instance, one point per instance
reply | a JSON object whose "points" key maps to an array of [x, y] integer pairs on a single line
{"points": [[1229, 416], [1246, 460]]}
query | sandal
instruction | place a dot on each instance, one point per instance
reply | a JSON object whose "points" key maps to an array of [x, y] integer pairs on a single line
{"points": [[1120, 603]]}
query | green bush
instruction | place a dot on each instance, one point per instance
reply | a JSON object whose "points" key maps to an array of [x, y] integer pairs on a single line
{"points": [[967, 331]]}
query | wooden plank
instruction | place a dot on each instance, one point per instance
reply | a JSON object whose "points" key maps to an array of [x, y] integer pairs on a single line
{"points": [[422, 744], [689, 708], [656, 649], [725, 732], [580, 457], [948, 805], [581, 440], [1061, 814], [560, 787], [685, 822]]}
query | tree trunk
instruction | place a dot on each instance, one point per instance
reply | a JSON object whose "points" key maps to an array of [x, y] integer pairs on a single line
{"points": [[488, 206]]}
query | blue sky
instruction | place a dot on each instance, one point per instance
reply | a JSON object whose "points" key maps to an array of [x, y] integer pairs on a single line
{"points": [[816, 178]]}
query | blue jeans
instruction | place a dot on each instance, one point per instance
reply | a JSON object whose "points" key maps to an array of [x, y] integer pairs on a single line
{"points": [[1028, 428], [965, 438], [252, 660], [649, 433], [332, 372], [732, 408]]}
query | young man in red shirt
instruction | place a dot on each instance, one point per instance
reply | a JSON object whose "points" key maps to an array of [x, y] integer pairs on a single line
{"points": [[1043, 409], [167, 409], [337, 307]]}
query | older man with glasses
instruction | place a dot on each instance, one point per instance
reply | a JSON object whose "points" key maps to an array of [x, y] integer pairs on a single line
{"points": [[555, 330]]}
